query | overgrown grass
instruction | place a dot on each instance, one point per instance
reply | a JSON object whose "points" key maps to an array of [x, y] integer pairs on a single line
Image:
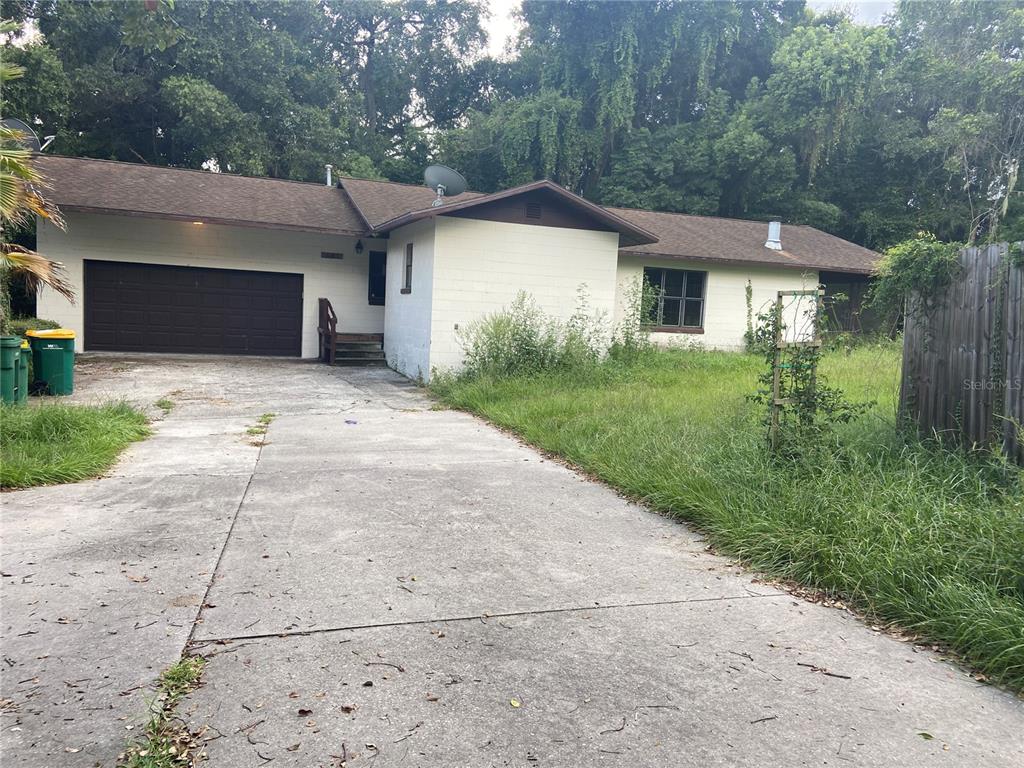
{"points": [[912, 535], [62, 443], [165, 741]]}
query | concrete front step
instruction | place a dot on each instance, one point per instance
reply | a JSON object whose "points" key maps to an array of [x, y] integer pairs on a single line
{"points": [[354, 346], [347, 337], [361, 361]]}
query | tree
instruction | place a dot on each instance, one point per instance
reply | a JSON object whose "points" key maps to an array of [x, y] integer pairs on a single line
{"points": [[961, 68], [249, 87], [748, 109], [407, 60]]}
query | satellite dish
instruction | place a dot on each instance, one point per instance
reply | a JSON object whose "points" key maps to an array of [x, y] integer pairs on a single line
{"points": [[444, 181], [30, 140]]}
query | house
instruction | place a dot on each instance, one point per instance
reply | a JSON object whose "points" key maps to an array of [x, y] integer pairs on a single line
{"points": [[175, 260]]}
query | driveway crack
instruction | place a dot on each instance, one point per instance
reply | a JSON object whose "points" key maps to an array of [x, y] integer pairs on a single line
{"points": [[484, 617], [227, 539]]}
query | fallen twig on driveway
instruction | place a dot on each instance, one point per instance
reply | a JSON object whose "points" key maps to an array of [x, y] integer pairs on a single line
{"points": [[823, 670]]}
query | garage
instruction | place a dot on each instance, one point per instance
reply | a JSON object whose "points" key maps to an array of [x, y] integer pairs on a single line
{"points": [[132, 307]]}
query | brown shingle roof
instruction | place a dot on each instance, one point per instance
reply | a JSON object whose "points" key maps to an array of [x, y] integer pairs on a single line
{"points": [[107, 186], [708, 238], [381, 201]]}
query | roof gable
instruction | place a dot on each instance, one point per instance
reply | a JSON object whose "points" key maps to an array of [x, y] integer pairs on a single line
{"points": [[497, 207], [381, 201]]}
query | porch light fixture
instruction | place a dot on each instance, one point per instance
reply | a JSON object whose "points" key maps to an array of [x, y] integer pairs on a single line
{"points": [[359, 247]]}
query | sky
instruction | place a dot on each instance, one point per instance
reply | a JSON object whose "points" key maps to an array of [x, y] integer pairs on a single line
{"points": [[502, 26]]}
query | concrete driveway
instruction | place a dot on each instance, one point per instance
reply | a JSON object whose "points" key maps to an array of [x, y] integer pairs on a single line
{"points": [[381, 583]]}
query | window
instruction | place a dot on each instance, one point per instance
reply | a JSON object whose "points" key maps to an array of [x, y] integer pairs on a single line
{"points": [[378, 273], [407, 272], [680, 302]]}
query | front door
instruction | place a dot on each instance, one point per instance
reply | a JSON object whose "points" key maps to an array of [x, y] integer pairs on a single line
{"points": [[378, 271]]}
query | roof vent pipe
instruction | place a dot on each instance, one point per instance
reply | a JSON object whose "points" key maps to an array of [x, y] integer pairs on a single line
{"points": [[329, 168], [774, 240]]}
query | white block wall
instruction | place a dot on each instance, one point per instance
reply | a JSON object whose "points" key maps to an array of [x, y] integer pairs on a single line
{"points": [[464, 269], [480, 267], [155, 241], [725, 303], [407, 315]]}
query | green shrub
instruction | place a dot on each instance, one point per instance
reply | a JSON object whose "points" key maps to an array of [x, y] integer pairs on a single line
{"points": [[916, 268], [631, 338], [522, 340], [19, 325]]}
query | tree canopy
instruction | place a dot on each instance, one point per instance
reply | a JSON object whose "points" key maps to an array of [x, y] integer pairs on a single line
{"points": [[747, 109]]}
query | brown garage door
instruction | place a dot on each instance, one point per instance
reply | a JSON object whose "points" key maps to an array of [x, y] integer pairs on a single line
{"points": [[158, 308]]}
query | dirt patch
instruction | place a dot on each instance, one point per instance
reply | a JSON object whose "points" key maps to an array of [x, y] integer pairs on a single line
{"points": [[185, 601]]}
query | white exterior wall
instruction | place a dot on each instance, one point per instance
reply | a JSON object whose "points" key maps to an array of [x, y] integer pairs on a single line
{"points": [[480, 267], [407, 315], [156, 241], [725, 299]]}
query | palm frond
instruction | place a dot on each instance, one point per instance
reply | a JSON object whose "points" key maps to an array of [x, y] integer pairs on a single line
{"points": [[22, 186], [36, 270]]}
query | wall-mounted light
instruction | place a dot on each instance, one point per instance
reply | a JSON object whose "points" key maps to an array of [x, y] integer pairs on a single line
{"points": [[197, 222], [359, 247]]}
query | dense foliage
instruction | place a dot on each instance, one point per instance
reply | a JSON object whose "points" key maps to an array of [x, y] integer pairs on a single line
{"points": [[743, 109], [919, 267]]}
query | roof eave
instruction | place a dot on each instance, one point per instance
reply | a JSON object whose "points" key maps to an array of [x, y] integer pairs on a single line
{"points": [[214, 220], [748, 262]]}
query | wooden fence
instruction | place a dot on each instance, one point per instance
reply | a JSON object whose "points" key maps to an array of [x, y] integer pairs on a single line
{"points": [[963, 359]]}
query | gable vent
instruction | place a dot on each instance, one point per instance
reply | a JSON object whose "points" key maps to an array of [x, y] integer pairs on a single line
{"points": [[533, 210]]}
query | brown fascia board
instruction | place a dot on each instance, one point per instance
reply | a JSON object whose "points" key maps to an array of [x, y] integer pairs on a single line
{"points": [[745, 262], [639, 235], [214, 220]]}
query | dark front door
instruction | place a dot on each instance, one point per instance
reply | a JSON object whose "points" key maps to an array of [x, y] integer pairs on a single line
{"points": [[158, 308], [378, 271]]}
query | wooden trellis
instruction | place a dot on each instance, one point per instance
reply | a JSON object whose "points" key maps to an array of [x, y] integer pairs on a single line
{"points": [[782, 363]]}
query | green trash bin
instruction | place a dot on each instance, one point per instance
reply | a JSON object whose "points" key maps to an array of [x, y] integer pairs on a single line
{"points": [[53, 361], [26, 360], [10, 362]]}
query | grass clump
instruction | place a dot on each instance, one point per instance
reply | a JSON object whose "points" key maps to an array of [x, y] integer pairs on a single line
{"points": [[912, 535], [165, 404], [166, 742], [63, 443], [259, 429]]}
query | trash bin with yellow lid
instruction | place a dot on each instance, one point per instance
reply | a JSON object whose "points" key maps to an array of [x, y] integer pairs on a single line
{"points": [[53, 361], [10, 362]]}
